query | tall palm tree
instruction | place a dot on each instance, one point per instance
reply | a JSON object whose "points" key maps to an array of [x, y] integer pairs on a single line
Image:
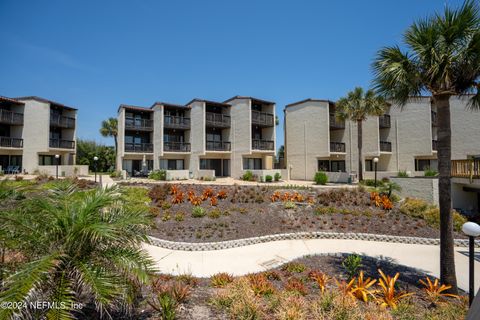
{"points": [[358, 106], [443, 58], [110, 129], [87, 250]]}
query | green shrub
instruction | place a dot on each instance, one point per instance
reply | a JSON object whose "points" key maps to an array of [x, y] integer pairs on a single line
{"points": [[247, 176], [402, 174], [351, 264], [198, 212], [215, 213], [115, 174], [294, 267], [158, 175], [289, 205], [430, 172], [320, 178], [268, 178], [371, 183], [277, 176]]}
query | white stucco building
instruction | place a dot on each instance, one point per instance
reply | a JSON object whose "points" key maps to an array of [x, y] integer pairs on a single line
{"points": [[199, 139]]}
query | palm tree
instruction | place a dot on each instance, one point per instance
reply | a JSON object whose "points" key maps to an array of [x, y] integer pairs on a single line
{"points": [[110, 129], [358, 106], [443, 58], [86, 250]]}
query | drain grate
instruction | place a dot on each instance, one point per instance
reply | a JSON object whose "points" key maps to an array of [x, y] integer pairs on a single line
{"points": [[273, 263]]}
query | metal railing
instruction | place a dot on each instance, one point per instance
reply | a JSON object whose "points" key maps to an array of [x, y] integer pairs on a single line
{"points": [[262, 144], [138, 124], [386, 146], [336, 123], [384, 121], [57, 120], [10, 117], [62, 144], [8, 142], [217, 120], [337, 147], [176, 146], [174, 122], [218, 146], [434, 145], [434, 118], [139, 147], [466, 168], [262, 118]]}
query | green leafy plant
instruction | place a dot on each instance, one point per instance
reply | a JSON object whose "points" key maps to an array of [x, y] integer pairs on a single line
{"points": [[289, 205], [402, 174], [165, 304], [198, 212], [351, 264], [429, 172], [294, 267], [158, 175], [320, 178], [248, 176], [221, 279], [268, 178], [277, 176]]}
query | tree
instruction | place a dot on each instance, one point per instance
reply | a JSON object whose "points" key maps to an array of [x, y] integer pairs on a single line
{"points": [[442, 58], [87, 250], [358, 106], [110, 129], [87, 149]]}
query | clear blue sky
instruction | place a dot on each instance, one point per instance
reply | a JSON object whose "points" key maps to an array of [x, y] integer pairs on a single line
{"points": [[95, 55]]}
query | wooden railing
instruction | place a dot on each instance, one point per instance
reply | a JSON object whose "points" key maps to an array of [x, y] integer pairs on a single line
{"points": [[262, 118], [336, 123], [466, 168], [174, 122], [139, 147], [337, 147], [262, 144], [218, 146], [138, 124], [217, 120], [60, 121], [62, 144], [176, 146], [8, 142], [10, 117]]}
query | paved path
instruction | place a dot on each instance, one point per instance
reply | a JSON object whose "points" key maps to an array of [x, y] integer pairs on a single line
{"points": [[259, 257]]}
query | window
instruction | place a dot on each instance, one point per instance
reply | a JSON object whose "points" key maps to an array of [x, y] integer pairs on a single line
{"points": [[256, 107], [171, 164], [331, 165], [256, 133], [48, 160], [214, 135], [323, 165], [369, 165], [422, 164], [252, 163]]}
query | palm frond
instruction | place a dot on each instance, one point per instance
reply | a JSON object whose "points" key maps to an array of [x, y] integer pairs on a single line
{"points": [[64, 297], [132, 262]]}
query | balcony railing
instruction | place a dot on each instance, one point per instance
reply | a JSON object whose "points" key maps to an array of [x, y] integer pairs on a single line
{"points": [[176, 147], [262, 118], [219, 120], [62, 144], [173, 122], [138, 124], [10, 117], [384, 121], [262, 144], [218, 146], [434, 145], [336, 123], [434, 118], [8, 142], [466, 169], [337, 147], [139, 147], [60, 121], [386, 146]]}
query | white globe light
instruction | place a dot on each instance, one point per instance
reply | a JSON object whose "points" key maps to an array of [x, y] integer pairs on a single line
{"points": [[471, 229], [57, 156], [95, 158], [375, 159]]}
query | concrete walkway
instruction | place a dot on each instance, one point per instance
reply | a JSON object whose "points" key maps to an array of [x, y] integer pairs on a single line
{"points": [[263, 256]]}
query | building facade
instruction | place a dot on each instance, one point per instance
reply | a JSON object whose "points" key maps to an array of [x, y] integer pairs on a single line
{"points": [[200, 139], [32, 131]]}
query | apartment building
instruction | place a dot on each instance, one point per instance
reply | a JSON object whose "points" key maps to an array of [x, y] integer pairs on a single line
{"points": [[199, 139], [403, 139], [32, 131]]}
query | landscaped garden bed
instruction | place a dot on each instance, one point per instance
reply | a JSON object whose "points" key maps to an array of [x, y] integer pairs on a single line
{"points": [[193, 213]]}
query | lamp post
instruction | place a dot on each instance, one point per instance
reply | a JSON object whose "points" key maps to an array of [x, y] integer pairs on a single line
{"points": [[57, 159], [375, 161], [472, 230], [95, 159]]}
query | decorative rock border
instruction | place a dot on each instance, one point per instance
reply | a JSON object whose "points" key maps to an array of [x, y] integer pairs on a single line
{"points": [[206, 246]]}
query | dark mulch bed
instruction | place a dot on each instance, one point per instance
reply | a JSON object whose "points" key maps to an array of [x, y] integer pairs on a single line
{"points": [[248, 212]]}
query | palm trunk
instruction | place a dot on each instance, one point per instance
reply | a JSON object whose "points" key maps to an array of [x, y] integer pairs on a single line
{"points": [[360, 155], [444, 151]]}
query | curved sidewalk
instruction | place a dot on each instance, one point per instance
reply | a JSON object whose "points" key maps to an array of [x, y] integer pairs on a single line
{"points": [[263, 256]]}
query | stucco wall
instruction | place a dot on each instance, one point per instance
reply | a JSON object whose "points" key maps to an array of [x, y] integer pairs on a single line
{"points": [[465, 129], [120, 138], [177, 175], [197, 114], [241, 128], [157, 135], [422, 188], [64, 171]]}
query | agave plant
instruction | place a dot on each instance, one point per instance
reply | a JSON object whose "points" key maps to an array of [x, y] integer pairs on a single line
{"points": [[435, 291], [361, 288], [388, 296], [87, 250]]}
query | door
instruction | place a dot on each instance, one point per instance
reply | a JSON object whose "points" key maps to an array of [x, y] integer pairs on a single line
{"points": [[226, 167]]}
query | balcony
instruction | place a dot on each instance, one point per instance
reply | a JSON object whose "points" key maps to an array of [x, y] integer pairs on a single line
{"points": [[173, 122], [60, 121], [139, 147], [335, 123], [337, 147], [262, 145], [466, 169], [139, 124], [218, 120], [10, 117], [385, 146], [62, 144], [176, 147], [7, 142], [218, 146], [434, 118], [262, 119], [434, 145], [384, 121]]}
